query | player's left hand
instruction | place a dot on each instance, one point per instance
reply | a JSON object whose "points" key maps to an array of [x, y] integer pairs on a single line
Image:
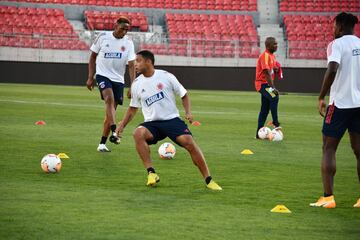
{"points": [[322, 107], [129, 93], [189, 117]]}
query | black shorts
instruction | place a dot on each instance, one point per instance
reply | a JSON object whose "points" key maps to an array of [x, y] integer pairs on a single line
{"points": [[337, 121], [117, 88], [168, 128]]}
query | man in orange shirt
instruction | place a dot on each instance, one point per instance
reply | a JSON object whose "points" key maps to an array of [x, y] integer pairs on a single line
{"points": [[264, 84]]}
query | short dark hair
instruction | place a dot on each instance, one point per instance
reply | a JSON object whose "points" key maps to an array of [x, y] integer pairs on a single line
{"points": [[146, 54], [346, 20], [123, 19], [269, 40]]}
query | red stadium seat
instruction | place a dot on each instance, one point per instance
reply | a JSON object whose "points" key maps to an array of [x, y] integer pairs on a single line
{"points": [[235, 5], [34, 27], [105, 20], [308, 35], [319, 6]]}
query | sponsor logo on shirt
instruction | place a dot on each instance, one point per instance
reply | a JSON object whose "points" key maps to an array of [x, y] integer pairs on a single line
{"points": [[356, 52], [154, 98], [113, 55]]}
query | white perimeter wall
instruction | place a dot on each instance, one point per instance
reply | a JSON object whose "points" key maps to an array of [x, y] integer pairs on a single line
{"points": [[74, 56]]}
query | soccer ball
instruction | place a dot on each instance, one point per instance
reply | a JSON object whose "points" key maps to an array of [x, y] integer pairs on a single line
{"points": [[167, 151], [277, 135], [264, 133], [51, 163]]}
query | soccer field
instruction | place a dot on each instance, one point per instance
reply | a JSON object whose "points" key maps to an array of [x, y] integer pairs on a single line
{"points": [[103, 195]]}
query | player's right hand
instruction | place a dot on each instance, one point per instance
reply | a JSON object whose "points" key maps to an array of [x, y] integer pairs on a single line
{"points": [[322, 107], [189, 117], [275, 91], [90, 83], [119, 130]]}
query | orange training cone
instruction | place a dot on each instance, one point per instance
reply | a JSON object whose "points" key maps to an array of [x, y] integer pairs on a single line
{"points": [[40, 123]]}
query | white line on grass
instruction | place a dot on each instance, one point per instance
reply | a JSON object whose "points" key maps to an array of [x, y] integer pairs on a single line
{"points": [[96, 106], [230, 112], [51, 103]]}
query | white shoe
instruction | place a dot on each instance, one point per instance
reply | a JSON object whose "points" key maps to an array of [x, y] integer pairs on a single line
{"points": [[102, 148]]}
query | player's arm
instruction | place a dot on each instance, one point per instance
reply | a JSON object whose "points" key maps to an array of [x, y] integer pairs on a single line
{"points": [[129, 115], [91, 70], [329, 78], [187, 107], [132, 74]]}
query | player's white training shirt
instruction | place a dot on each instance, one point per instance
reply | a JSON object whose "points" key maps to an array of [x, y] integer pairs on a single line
{"points": [[113, 55], [156, 95], [345, 90]]}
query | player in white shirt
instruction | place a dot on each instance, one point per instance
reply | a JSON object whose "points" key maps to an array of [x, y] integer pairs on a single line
{"points": [[110, 52], [342, 77], [154, 91]]}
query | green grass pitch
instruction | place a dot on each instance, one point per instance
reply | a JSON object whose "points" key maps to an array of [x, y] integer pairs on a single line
{"points": [[103, 196]]}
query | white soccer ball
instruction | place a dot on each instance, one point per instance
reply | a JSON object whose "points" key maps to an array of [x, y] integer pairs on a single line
{"points": [[277, 135], [167, 151], [264, 133], [51, 163]]}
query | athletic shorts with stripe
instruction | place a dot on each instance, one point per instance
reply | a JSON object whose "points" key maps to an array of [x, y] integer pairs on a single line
{"points": [[337, 121], [118, 88], [168, 128]]}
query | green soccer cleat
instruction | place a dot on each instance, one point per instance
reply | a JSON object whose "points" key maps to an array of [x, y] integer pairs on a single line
{"points": [[153, 178], [213, 186]]}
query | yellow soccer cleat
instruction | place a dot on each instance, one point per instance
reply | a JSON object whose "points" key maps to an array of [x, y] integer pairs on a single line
{"points": [[153, 178], [213, 186], [357, 204], [325, 202]]}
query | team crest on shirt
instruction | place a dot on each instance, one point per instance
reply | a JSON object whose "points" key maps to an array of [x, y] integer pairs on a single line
{"points": [[356, 52], [123, 48], [160, 86]]}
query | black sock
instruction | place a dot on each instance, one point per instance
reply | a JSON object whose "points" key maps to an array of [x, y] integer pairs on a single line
{"points": [[208, 179], [327, 195], [113, 127], [150, 169], [103, 140]]}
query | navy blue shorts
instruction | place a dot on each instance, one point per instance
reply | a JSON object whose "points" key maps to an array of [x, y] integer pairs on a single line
{"points": [[337, 121], [117, 88], [168, 128]]}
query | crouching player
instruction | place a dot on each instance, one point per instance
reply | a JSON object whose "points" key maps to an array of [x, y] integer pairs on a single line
{"points": [[154, 92]]}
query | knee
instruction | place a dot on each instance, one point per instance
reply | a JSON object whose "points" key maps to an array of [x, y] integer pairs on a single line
{"points": [[139, 134], [189, 145], [328, 148], [109, 100]]}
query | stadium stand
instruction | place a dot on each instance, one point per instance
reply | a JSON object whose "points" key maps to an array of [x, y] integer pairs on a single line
{"points": [[233, 5], [309, 35], [319, 6], [37, 28], [97, 20], [202, 35]]}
